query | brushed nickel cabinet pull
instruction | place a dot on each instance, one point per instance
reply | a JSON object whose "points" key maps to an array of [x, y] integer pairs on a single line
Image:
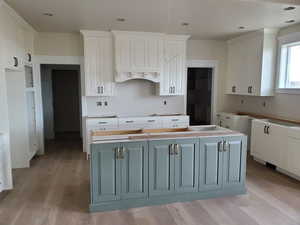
{"points": [[171, 149], [220, 146], [176, 149]]}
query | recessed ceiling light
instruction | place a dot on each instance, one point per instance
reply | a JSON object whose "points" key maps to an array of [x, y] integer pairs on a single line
{"points": [[241, 28], [289, 8], [185, 24], [121, 19], [48, 14], [290, 21]]}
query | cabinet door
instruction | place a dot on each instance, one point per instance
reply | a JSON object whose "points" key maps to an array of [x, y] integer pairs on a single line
{"points": [[293, 156], [105, 173], [174, 68], [161, 168], [91, 58], [106, 67], [186, 165], [134, 167], [235, 63], [252, 65], [234, 162], [259, 142], [277, 139], [211, 163], [98, 66]]}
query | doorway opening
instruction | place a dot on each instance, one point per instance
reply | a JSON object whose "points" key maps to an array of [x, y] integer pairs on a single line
{"points": [[60, 86], [199, 95]]}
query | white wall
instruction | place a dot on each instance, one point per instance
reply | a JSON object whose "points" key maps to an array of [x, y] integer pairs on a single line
{"points": [[212, 50], [58, 44], [9, 22], [135, 98], [282, 105]]}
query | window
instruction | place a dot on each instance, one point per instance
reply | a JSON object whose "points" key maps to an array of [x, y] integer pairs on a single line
{"points": [[289, 75]]}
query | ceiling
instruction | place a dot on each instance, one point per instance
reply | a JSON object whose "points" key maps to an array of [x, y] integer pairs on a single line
{"points": [[208, 19]]}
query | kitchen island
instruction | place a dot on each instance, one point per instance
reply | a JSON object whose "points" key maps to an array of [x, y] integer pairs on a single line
{"points": [[148, 167]]}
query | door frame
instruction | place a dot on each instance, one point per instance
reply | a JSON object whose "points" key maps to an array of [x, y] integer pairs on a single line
{"points": [[56, 60], [213, 64]]}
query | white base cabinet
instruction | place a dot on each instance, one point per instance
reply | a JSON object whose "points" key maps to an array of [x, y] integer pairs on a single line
{"points": [[131, 123], [2, 169], [240, 123], [277, 143]]}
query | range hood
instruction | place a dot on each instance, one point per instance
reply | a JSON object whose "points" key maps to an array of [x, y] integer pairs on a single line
{"points": [[125, 76], [138, 55]]}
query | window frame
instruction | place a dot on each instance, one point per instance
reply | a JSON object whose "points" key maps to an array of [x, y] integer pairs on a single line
{"points": [[284, 42]]}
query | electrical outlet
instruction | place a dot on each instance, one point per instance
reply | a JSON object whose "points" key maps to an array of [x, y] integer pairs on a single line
{"points": [[99, 103], [165, 102]]}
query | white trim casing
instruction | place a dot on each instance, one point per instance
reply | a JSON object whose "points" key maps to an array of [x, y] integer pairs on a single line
{"points": [[58, 60], [284, 40], [214, 98]]}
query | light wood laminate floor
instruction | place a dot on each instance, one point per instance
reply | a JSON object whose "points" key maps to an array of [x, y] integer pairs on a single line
{"points": [[55, 191]]}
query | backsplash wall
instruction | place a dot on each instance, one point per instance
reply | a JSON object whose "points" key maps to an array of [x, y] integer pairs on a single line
{"points": [[135, 98], [281, 105]]}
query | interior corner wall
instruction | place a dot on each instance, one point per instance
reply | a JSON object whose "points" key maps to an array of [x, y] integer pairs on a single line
{"points": [[281, 105]]}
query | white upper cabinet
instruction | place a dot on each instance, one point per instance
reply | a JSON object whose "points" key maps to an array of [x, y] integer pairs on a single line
{"points": [[138, 55], [98, 57], [172, 81], [251, 63]]}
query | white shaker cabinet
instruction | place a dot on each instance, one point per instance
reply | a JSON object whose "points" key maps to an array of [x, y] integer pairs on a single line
{"points": [[251, 63], [98, 63], [269, 141], [293, 152], [172, 81], [2, 161]]}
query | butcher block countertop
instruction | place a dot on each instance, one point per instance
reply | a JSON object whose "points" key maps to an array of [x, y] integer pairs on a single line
{"points": [[158, 134], [261, 116]]}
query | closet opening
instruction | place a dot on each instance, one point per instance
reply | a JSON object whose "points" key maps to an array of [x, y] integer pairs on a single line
{"points": [[60, 86], [199, 95]]}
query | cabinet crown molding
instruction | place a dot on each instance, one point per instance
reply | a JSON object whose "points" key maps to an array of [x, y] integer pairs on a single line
{"points": [[137, 33], [94, 33]]}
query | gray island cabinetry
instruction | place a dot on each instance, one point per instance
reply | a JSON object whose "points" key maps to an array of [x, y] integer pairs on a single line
{"points": [[150, 172]]}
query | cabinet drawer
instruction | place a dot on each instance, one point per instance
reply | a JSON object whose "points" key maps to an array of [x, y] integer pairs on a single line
{"points": [[177, 119], [102, 127], [175, 125], [102, 122], [153, 122], [131, 123]]}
